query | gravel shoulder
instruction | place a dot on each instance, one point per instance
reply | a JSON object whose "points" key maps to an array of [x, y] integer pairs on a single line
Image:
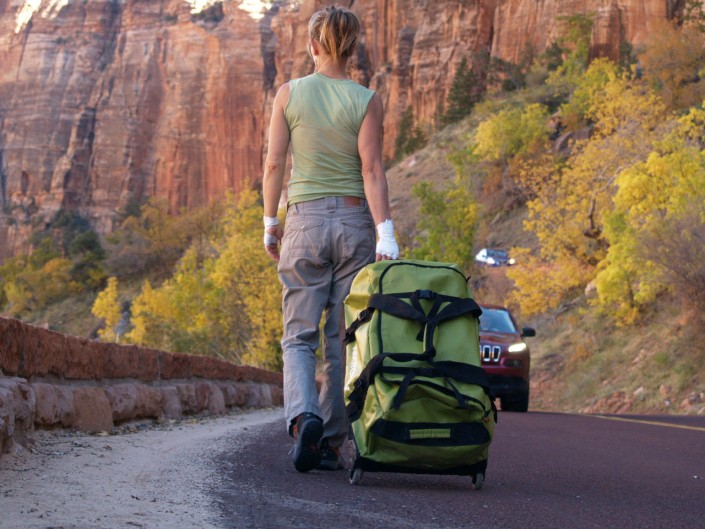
{"points": [[153, 476]]}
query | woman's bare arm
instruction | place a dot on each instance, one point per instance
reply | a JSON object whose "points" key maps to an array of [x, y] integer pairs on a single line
{"points": [[274, 165], [369, 144]]}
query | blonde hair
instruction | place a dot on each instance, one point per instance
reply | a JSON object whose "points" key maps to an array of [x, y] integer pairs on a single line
{"points": [[336, 30]]}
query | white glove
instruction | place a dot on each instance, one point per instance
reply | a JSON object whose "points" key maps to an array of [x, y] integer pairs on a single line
{"points": [[269, 238], [386, 243]]}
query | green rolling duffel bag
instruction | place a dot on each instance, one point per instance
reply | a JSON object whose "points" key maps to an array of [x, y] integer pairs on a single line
{"points": [[417, 399]]}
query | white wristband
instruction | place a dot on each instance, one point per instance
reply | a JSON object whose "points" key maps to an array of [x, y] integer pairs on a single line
{"points": [[269, 238], [386, 243], [270, 221]]}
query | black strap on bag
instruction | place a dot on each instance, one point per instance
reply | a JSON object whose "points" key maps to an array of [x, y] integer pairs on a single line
{"points": [[362, 383], [448, 370], [363, 317], [456, 434], [420, 377], [391, 304], [394, 305], [454, 309]]}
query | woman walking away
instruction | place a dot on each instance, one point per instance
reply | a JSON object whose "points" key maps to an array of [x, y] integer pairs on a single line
{"points": [[337, 194]]}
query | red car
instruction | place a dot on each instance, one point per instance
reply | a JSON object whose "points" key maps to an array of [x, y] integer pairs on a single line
{"points": [[505, 356]]}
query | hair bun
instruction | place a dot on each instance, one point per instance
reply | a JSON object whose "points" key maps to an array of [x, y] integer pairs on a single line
{"points": [[336, 29]]}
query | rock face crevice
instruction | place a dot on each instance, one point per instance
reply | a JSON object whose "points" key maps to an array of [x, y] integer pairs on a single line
{"points": [[104, 101], [268, 49], [3, 182]]}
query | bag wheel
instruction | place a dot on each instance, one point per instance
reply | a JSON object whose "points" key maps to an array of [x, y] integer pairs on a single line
{"points": [[355, 475], [478, 480]]}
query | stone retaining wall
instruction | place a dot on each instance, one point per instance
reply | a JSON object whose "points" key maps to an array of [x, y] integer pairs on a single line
{"points": [[52, 380]]}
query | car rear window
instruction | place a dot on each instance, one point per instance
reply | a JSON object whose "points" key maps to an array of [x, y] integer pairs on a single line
{"points": [[496, 320]]}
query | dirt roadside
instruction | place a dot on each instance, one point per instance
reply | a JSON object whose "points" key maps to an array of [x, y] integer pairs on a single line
{"points": [[148, 476]]}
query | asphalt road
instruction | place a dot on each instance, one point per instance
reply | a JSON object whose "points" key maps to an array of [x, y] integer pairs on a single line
{"points": [[545, 471]]}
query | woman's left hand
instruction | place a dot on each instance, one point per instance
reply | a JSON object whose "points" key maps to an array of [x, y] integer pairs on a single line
{"points": [[272, 237]]}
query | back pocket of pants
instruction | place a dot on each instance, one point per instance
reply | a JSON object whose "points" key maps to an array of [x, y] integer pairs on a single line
{"points": [[359, 236], [303, 236]]}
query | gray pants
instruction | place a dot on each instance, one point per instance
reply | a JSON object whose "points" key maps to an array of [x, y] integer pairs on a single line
{"points": [[326, 242]]}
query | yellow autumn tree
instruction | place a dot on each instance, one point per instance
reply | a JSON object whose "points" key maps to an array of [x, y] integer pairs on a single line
{"points": [[657, 227], [223, 299], [247, 277], [107, 308], [33, 289], [511, 131], [569, 215], [177, 316], [144, 318], [509, 141]]}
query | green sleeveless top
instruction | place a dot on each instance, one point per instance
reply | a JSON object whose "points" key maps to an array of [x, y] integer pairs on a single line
{"points": [[324, 117]]}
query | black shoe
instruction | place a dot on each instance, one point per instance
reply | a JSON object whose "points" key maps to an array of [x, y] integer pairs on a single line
{"points": [[307, 430], [330, 457]]}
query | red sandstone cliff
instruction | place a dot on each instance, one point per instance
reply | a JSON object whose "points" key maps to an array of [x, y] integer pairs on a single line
{"points": [[102, 101]]}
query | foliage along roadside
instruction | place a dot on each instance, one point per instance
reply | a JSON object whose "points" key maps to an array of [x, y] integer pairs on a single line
{"points": [[613, 180], [223, 298]]}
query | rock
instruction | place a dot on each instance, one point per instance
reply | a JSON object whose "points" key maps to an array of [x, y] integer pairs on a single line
{"points": [[623, 407], [260, 396], [134, 401], [640, 393], [187, 397], [689, 403], [54, 405], [277, 395], [176, 366], [17, 411], [11, 349], [617, 402], [91, 386], [171, 407], [209, 398], [230, 394], [124, 105], [643, 354], [92, 410], [126, 361]]}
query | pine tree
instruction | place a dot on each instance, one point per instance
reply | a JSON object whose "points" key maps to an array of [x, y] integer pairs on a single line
{"points": [[410, 138], [463, 94]]}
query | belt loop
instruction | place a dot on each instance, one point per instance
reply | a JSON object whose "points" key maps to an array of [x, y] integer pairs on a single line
{"points": [[331, 203]]}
